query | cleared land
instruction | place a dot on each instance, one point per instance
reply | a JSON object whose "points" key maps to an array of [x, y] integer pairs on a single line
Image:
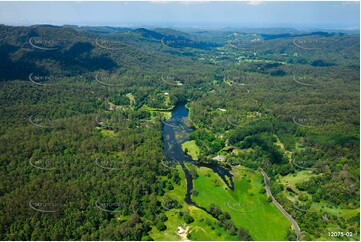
{"points": [[247, 205]]}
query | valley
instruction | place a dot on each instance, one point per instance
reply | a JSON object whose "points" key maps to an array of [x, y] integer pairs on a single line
{"points": [[111, 133]]}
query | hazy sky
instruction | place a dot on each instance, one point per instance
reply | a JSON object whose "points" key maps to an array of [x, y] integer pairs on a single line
{"points": [[232, 14]]}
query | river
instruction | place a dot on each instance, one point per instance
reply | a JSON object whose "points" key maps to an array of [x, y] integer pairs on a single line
{"points": [[176, 131]]}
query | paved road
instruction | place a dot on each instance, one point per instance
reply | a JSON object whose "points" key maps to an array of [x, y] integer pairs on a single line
{"points": [[269, 193]]}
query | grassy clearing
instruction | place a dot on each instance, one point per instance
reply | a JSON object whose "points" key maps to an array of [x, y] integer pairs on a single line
{"points": [[166, 100], [282, 147], [299, 147], [334, 210], [265, 61], [131, 99], [192, 148], [203, 228], [248, 207], [107, 133], [293, 179], [160, 114]]}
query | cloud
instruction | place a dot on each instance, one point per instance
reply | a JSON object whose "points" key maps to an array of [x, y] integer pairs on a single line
{"points": [[160, 2], [179, 2], [350, 3], [254, 2]]}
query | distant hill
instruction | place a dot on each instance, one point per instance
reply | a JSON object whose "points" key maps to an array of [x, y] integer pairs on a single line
{"points": [[173, 32], [99, 29], [148, 33]]}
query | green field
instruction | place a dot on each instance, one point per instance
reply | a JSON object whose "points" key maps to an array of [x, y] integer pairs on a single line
{"points": [[248, 207], [131, 99], [292, 179], [198, 230], [193, 149]]}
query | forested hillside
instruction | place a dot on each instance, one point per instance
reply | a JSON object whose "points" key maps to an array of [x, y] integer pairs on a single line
{"points": [[82, 152]]}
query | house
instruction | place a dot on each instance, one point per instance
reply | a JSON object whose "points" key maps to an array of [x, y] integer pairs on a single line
{"points": [[219, 158], [180, 230]]}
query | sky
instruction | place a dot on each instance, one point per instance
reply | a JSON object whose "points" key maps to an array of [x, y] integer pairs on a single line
{"points": [[341, 15]]}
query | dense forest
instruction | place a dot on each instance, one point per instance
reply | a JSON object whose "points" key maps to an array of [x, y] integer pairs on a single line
{"points": [[82, 110]]}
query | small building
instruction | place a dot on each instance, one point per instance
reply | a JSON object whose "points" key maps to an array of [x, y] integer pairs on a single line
{"points": [[222, 109], [219, 158], [180, 230]]}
